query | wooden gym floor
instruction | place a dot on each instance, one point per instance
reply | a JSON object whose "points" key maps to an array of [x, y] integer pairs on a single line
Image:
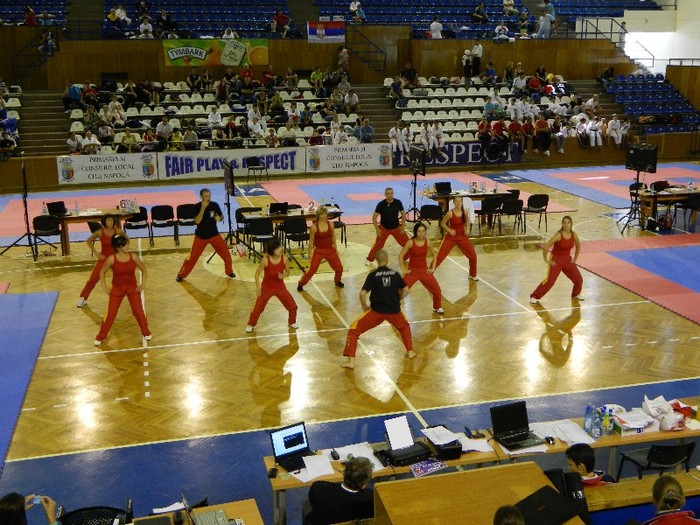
{"points": [[203, 375]]}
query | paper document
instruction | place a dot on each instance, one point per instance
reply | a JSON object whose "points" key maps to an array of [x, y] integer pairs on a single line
{"points": [[358, 450], [474, 445], [302, 475], [178, 505], [439, 435], [537, 449], [692, 424], [317, 466], [565, 430], [633, 419], [656, 407], [399, 432]]}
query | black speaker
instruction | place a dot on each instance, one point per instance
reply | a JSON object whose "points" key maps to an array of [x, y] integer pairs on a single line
{"points": [[417, 155], [641, 157]]}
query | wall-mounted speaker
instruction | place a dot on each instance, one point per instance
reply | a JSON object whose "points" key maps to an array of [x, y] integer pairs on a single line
{"points": [[641, 157]]}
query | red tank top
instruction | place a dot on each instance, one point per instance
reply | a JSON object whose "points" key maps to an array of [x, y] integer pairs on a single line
{"points": [[106, 243], [323, 240], [123, 273], [272, 271], [456, 222], [562, 248], [418, 256]]}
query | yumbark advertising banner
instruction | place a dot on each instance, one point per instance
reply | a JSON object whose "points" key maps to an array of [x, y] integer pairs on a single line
{"points": [[207, 52]]}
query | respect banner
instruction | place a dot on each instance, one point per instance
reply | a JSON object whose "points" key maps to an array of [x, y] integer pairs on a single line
{"points": [[216, 52], [348, 157], [202, 164], [97, 169], [452, 154]]}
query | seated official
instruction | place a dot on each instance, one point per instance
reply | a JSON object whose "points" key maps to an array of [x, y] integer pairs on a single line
{"points": [[338, 502], [580, 458], [14, 507], [668, 498]]}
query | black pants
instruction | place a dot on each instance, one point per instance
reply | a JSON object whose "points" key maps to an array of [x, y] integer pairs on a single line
{"points": [[476, 65]]}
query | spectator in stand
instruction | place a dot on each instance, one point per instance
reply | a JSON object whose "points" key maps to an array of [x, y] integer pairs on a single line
{"points": [[396, 138], [206, 82], [293, 114], [339, 136], [74, 143], [247, 93], [105, 133], [509, 74], [8, 146], [467, 67], [524, 23], [549, 8], [150, 141], [164, 131], [668, 498], [193, 80], [595, 135], [335, 123], [479, 14], [545, 25], [592, 106], [271, 139], [501, 31], [30, 17], [543, 136], [528, 133], [214, 118], [582, 133], [254, 114], [499, 133], [436, 28], [604, 130], [352, 102], [90, 144], [344, 86], [262, 101], [337, 100], [476, 53], [129, 142], [145, 28], [315, 139], [143, 7], [488, 77], [360, 17], [246, 72], [509, 8], [489, 110], [190, 139], [396, 89], [534, 86], [90, 118], [165, 23], [515, 134], [230, 34], [280, 23], [13, 507], [559, 133], [71, 96], [570, 130], [121, 13], [177, 141], [622, 34], [520, 85], [45, 19], [287, 135], [89, 95], [366, 132], [291, 78], [326, 110], [410, 76], [255, 129], [270, 80], [437, 141], [316, 81], [117, 23], [625, 129]]}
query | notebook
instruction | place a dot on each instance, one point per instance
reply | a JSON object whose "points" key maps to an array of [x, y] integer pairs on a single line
{"points": [[511, 427], [289, 446]]}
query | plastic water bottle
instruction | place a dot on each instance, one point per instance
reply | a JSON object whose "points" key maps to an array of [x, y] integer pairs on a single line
{"points": [[332, 202], [135, 206], [588, 419], [495, 187], [606, 424], [44, 209], [76, 208], [596, 427]]}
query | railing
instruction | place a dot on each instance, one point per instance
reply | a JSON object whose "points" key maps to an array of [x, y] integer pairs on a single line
{"points": [[667, 4], [684, 61], [366, 50], [29, 58], [610, 29]]}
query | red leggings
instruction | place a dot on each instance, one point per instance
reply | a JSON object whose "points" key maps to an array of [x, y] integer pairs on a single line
{"points": [[563, 264], [330, 255], [397, 233], [217, 242], [93, 280], [428, 280], [268, 292], [369, 320], [464, 245], [116, 295]]}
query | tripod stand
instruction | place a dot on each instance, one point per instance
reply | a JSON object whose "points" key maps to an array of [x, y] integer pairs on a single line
{"points": [[417, 156], [634, 213], [230, 188], [414, 209], [28, 232]]}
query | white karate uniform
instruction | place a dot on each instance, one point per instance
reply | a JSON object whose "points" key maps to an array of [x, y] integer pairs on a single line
{"points": [[339, 136], [436, 138], [397, 141], [424, 136], [407, 136], [594, 135], [253, 113], [614, 131]]}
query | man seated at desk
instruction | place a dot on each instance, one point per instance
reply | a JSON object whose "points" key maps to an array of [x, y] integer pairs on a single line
{"points": [[580, 458], [347, 501]]}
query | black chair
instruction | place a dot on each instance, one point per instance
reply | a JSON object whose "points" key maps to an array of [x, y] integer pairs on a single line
{"points": [[691, 204], [259, 231], [279, 227], [163, 216], [490, 208], [185, 215], [295, 230], [94, 227], [658, 457], [45, 226], [242, 223], [98, 515], [512, 207], [431, 212], [256, 168], [138, 221], [512, 194], [537, 203]]}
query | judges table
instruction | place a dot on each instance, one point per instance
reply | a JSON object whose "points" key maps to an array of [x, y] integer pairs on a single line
{"points": [[246, 509], [86, 216], [649, 202], [461, 497], [444, 199], [305, 213]]}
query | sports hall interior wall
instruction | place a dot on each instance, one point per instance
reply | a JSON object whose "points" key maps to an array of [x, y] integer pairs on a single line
{"points": [[687, 80]]}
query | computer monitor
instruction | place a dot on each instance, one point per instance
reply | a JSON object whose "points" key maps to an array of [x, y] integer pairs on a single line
{"points": [[289, 440]]}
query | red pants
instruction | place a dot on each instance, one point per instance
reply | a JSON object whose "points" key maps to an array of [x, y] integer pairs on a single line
{"points": [[428, 280], [464, 245], [566, 265], [93, 280], [217, 242], [268, 292], [330, 255], [116, 295], [397, 233], [369, 320]]}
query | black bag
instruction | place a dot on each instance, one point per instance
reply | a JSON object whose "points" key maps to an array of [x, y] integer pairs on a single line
{"points": [[570, 485], [402, 103]]}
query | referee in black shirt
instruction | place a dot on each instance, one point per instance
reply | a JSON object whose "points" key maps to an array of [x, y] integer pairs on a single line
{"points": [[392, 219]]}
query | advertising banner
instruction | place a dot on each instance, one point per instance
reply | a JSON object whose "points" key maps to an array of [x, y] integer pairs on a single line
{"points": [[216, 52], [326, 32], [202, 164], [453, 154], [97, 169], [348, 157]]}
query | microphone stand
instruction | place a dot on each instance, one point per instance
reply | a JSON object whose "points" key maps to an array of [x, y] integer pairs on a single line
{"points": [[27, 230]]}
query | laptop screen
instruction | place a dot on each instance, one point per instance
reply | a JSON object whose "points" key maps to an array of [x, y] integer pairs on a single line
{"points": [[56, 208], [506, 419], [289, 440], [278, 208]]}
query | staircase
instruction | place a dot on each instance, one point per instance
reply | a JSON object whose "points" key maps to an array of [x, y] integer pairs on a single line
{"points": [[588, 88], [378, 108], [366, 51], [84, 19], [44, 125]]}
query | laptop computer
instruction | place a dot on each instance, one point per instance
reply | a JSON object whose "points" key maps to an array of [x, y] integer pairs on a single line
{"points": [[511, 427], [210, 517], [289, 446], [547, 507], [57, 208], [443, 188], [279, 208]]}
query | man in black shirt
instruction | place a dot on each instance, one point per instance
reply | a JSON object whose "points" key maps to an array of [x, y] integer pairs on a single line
{"points": [[410, 75], [207, 214], [347, 501], [392, 218], [386, 288]]}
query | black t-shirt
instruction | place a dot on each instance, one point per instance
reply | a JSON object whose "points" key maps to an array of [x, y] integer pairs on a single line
{"points": [[207, 229], [331, 503], [389, 213], [409, 74], [383, 285]]}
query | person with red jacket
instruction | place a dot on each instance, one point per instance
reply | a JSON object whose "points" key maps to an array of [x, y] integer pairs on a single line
{"points": [[280, 23], [580, 458], [528, 133], [667, 495], [515, 131]]}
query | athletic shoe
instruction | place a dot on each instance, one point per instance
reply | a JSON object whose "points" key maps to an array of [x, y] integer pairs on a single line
{"points": [[579, 298], [248, 329], [231, 275], [438, 310], [148, 337], [561, 151], [535, 151], [546, 153], [81, 302], [179, 279], [294, 325], [97, 342], [339, 284], [300, 288], [368, 262], [411, 354], [534, 301], [475, 278]]}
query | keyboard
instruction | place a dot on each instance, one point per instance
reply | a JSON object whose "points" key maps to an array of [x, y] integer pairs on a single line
{"points": [[521, 441], [212, 517]]}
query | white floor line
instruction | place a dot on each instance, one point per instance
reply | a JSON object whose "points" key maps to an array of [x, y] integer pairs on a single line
{"points": [[405, 399], [250, 204]]}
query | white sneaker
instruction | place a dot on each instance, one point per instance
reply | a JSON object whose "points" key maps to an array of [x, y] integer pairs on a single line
{"points": [[368, 262], [475, 278], [546, 153], [81, 302], [579, 298], [248, 328], [148, 337], [97, 343], [561, 151], [295, 326], [438, 310], [534, 301]]}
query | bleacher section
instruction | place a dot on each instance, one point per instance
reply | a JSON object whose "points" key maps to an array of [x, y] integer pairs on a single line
{"points": [[573, 9], [10, 115], [13, 10]]}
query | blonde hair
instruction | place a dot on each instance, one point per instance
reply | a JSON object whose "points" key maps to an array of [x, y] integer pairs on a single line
{"points": [[321, 210]]}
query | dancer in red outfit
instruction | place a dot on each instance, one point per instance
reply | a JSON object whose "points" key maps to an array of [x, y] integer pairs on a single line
{"points": [[275, 267], [207, 214], [123, 265], [560, 260], [386, 288], [416, 252], [392, 218], [322, 246], [455, 223], [109, 229]]}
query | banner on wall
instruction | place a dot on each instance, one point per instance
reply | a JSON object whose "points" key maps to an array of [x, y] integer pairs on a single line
{"points": [[201, 164], [453, 154], [348, 157], [325, 32], [99, 169], [216, 52]]}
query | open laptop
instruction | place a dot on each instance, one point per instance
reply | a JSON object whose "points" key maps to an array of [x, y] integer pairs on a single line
{"points": [[290, 445], [511, 427], [57, 208], [210, 517], [443, 188], [279, 208]]}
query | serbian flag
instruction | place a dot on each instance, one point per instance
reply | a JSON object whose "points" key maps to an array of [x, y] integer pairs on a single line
{"points": [[326, 32]]}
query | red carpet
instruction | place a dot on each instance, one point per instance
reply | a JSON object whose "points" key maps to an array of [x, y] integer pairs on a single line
{"points": [[596, 257]]}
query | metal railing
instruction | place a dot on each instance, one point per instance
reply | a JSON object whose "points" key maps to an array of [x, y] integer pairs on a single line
{"points": [[684, 61], [667, 4], [29, 58], [366, 50], [610, 29]]}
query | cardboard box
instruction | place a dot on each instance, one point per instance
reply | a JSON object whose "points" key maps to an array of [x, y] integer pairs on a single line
{"points": [[623, 432]]}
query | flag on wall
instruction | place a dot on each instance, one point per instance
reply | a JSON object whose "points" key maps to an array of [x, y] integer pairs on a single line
{"points": [[326, 32]]}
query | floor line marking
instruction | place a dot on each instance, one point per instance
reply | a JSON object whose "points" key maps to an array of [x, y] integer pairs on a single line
{"points": [[374, 362], [244, 195]]}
